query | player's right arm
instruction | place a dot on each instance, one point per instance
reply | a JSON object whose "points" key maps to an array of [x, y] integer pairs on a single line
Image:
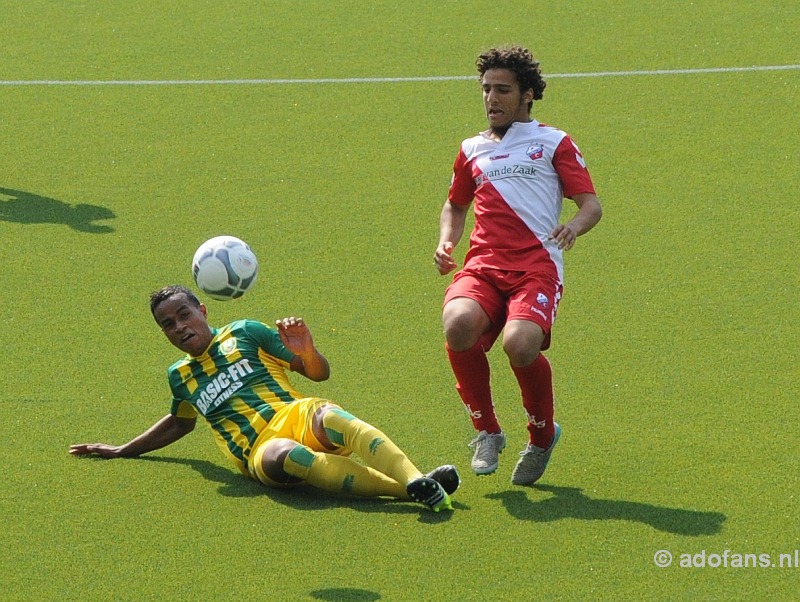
{"points": [[164, 432], [451, 229]]}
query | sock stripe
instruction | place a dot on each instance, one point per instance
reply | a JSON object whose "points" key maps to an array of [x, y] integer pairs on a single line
{"points": [[302, 456]]}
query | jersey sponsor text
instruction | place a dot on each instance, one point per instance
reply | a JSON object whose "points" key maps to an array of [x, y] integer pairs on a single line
{"points": [[223, 386]]}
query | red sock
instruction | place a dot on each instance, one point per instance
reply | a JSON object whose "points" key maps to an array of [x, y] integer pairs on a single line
{"points": [[471, 368], [536, 383]]}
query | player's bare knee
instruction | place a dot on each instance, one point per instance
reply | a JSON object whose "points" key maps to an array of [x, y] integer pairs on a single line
{"points": [[272, 462], [460, 340], [462, 326], [521, 357], [522, 350], [318, 427]]}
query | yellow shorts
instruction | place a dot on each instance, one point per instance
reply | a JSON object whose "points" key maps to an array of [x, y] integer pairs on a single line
{"points": [[290, 422]]}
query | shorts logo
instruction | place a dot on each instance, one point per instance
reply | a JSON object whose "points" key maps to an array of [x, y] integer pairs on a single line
{"points": [[536, 310], [542, 300], [535, 151]]}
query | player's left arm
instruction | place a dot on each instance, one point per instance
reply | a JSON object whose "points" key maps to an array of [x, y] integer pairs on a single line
{"points": [[308, 360], [588, 214], [577, 185]]}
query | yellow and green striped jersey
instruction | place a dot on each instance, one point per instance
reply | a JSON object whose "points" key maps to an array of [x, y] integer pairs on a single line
{"points": [[237, 385]]}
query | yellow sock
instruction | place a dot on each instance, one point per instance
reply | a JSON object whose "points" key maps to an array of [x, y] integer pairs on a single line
{"points": [[372, 445], [341, 475]]}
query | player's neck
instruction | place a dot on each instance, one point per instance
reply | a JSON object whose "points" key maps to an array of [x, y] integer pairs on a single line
{"points": [[497, 133]]}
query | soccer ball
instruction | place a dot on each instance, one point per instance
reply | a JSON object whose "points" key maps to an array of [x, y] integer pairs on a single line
{"points": [[224, 267]]}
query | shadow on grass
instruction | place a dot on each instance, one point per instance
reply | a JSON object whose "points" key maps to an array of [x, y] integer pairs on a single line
{"points": [[345, 594], [232, 484], [571, 502], [29, 208], [301, 497]]}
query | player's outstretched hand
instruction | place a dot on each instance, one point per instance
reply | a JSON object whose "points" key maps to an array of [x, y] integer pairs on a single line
{"points": [[295, 335], [97, 449]]}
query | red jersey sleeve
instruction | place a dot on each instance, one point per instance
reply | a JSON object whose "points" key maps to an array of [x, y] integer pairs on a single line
{"points": [[571, 169], [462, 186]]}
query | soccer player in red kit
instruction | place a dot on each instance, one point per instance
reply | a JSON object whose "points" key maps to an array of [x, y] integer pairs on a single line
{"points": [[517, 173]]}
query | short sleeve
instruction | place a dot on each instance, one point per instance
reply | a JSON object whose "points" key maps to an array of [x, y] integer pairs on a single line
{"points": [[462, 186], [269, 340], [571, 168], [183, 409]]}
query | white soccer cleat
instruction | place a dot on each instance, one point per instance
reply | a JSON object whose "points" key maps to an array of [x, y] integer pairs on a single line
{"points": [[533, 462], [487, 452]]}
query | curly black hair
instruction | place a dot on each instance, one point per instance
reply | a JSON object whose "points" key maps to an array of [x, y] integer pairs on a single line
{"points": [[162, 294], [520, 61]]}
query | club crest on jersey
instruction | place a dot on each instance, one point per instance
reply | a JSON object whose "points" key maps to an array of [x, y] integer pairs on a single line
{"points": [[535, 151], [228, 346]]}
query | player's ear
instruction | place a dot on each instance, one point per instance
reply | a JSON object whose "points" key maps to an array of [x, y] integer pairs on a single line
{"points": [[527, 96], [204, 310]]}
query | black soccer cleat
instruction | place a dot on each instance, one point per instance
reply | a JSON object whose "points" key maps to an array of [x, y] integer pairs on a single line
{"points": [[430, 493], [447, 477]]}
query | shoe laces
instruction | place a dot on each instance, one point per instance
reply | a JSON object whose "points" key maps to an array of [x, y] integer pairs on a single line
{"points": [[531, 450], [484, 438]]}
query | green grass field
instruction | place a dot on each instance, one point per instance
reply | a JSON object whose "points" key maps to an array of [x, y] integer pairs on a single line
{"points": [[675, 371]]}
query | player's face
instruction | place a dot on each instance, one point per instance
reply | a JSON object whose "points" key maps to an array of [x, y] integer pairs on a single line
{"points": [[185, 324], [504, 102]]}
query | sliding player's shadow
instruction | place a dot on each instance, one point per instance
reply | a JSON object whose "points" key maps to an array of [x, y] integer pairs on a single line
{"points": [[570, 502], [28, 208], [231, 483]]}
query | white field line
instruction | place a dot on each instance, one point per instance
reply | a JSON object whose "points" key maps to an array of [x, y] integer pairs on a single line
{"points": [[373, 80]]}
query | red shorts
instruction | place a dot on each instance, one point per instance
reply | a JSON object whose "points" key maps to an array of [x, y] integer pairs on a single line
{"points": [[505, 295]]}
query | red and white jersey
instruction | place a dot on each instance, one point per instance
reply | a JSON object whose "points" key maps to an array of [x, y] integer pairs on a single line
{"points": [[518, 184]]}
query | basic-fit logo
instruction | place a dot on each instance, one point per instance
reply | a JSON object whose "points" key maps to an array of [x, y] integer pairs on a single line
{"points": [[535, 151], [223, 385]]}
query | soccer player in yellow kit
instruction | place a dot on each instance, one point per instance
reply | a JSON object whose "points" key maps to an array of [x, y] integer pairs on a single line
{"points": [[235, 378]]}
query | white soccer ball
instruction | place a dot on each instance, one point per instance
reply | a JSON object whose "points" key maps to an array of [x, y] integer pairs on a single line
{"points": [[224, 267]]}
